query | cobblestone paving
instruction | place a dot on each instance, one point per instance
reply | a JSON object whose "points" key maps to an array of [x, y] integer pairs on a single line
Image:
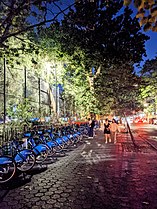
{"points": [[95, 175]]}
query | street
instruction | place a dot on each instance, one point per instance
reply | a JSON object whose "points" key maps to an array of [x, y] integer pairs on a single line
{"points": [[94, 175]]}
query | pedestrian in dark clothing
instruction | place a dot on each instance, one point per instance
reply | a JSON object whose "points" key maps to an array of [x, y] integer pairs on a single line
{"points": [[107, 131], [91, 128]]}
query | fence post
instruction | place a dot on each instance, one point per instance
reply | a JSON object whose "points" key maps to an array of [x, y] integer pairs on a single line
{"points": [[4, 92], [39, 86], [25, 83], [56, 93]]}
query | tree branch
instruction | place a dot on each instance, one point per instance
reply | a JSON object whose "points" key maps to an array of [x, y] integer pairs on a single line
{"points": [[5, 37], [61, 10]]}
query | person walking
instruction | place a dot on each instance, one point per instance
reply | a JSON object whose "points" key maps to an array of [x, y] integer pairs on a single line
{"points": [[91, 127], [113, 130], [107, 131]]}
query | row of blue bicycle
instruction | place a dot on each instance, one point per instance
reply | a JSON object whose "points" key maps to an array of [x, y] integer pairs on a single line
{"points": [[35, 146]]}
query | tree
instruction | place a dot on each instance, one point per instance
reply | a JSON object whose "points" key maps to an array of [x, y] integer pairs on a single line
{"points": [[103, 33], [149, 85], [17, 17], [75, 77], [20, 56], [118, 90], [110, 41], [93, 34], [147, 12]]}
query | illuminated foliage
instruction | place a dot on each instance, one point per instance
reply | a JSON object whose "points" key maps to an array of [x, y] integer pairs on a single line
{"points": [[108, 40], [147, 13], [149, 84], [93, 34]]}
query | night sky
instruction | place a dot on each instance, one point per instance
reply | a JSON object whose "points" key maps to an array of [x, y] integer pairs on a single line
{"points": [[151, 45]]}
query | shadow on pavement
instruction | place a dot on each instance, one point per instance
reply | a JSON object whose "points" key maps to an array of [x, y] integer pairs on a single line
{"points": [[20, 180]]}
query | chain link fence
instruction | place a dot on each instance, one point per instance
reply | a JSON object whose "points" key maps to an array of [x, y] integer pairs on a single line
{"points": [[16, 85]]}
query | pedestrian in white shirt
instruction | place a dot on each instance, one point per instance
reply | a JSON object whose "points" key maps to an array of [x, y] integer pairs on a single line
{"points": [[113, 130]]}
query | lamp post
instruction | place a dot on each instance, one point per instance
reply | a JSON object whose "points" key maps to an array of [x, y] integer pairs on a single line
{"points": [[56, 92]]}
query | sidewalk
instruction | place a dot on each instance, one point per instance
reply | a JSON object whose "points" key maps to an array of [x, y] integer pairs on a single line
{"points": [[95, 175]]}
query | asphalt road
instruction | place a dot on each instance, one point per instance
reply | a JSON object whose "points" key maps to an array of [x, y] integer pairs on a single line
{"points": [[145, 131]]}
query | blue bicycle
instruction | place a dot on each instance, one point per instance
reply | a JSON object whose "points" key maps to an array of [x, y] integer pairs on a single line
{"points": [[14, 158], [7, 168]]}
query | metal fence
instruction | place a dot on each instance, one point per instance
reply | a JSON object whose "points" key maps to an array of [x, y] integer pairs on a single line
{"points": [[17, 84]]}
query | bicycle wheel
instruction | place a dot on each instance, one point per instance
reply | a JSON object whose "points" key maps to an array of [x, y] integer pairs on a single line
{"points": [[25, 160], [59, 148], [7, 169], [40, 158], [51, 149]]}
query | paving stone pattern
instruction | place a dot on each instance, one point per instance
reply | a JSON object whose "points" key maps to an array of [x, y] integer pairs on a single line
{"points": [[94, 175]]}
